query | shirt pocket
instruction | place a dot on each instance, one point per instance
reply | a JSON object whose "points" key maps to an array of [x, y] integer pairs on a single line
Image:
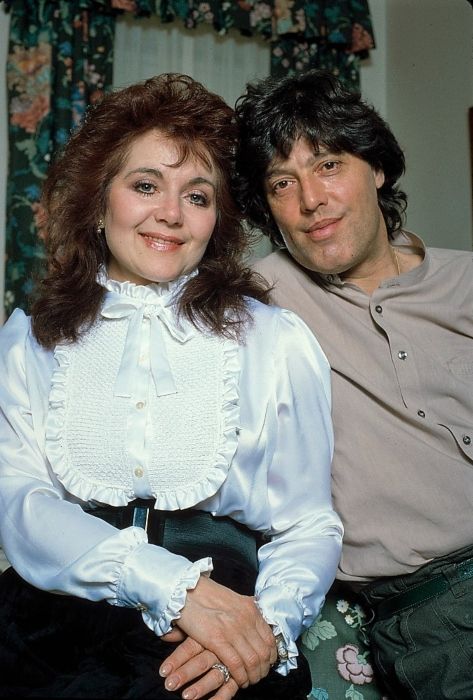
{"points": [[462, 365]]}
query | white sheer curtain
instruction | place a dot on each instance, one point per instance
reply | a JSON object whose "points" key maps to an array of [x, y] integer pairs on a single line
{"points": [[146, 47], [224, 64]]}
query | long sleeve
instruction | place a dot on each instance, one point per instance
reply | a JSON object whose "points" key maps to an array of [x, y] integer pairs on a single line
{"points": [[299, 564], [47, 537]]}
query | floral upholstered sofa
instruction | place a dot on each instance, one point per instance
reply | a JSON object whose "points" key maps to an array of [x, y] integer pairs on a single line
{"points": [[337, 651]]}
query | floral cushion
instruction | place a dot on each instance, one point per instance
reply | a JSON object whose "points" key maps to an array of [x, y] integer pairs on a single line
{"points": [[337, 650]]}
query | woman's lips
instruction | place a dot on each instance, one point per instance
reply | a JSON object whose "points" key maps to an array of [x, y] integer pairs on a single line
{"points": [[160, 242]]}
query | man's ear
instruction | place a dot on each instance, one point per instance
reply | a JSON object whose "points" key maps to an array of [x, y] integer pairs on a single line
{"points": [[378, 178]]}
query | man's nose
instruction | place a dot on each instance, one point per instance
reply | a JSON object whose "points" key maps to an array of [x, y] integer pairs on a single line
{"points": [[313, 194]]}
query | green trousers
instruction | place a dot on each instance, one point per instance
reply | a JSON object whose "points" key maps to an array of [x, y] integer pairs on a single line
{"points": [[422, 634]]}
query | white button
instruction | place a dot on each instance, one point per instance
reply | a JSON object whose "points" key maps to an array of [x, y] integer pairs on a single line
{"points": [[140, 404], [139, 472], [402, 354]]}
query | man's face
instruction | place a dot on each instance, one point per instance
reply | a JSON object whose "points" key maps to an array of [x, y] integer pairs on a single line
{"points": [[327, 210]]}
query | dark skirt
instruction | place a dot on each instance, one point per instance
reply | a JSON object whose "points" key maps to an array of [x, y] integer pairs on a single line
{"points": [[65, 647]]}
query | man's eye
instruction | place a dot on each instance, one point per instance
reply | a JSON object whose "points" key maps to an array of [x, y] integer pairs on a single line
{"points": [[280, 185], [330, 165]]}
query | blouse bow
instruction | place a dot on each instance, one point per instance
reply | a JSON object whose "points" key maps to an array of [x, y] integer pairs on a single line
{"points": [[159, 315]]}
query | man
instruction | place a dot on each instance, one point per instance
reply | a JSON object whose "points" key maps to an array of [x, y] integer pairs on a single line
{"points": [[318, 169]]}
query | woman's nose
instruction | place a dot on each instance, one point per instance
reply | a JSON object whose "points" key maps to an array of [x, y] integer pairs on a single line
{"points": [[169, 209]]}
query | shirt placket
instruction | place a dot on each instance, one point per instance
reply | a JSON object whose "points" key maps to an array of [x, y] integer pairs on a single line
{"points": [[402, 356], [138, 416]]}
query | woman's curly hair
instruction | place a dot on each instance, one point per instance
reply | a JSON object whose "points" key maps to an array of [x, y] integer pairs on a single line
{"points": [[75, 192]]}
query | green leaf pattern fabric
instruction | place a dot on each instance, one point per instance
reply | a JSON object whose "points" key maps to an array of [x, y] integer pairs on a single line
{"points": [[337, 650]]}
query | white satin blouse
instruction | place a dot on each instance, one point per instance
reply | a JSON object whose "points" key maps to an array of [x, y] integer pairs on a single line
{"points": [[144, 405]]}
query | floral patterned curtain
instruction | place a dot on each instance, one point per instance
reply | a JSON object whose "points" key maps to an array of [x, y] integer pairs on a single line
{"points": [[330, 34], [61, 60]]}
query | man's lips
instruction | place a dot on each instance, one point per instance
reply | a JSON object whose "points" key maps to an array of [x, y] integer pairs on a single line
{"points": [[322, 229]]}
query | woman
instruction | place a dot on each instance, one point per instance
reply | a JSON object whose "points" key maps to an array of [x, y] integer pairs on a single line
{"points": [[166, 436]]}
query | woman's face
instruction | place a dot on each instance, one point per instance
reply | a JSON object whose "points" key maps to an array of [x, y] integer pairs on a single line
{"points": [[159, 216]]}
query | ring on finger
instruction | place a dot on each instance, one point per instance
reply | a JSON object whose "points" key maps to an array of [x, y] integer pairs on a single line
{"points": [[223, 670]]}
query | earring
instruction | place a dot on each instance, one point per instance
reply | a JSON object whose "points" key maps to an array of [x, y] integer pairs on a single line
{"points": [[100, 226]]}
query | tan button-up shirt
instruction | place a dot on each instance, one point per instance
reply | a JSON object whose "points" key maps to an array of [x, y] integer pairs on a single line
{"points": [[402, 373]]}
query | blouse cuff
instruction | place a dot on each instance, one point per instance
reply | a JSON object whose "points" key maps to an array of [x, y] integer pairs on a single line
{"points": [[282, 608], [156, 582]]}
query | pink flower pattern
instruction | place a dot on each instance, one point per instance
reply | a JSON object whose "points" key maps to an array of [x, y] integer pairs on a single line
{"points": [[352, 666]]}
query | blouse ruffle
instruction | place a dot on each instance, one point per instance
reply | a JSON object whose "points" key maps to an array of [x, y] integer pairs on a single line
{"points": [[172, 612], [185, 496]]}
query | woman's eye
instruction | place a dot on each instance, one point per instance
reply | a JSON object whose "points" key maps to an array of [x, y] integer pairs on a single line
{"points": [[145, 187], [198, 198]]}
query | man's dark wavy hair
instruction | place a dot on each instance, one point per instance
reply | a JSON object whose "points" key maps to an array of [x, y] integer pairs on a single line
{"points": [[314, 105]]}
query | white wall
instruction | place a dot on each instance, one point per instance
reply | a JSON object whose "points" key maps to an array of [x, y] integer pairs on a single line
{"points": [[420, 78], [429, 86]]}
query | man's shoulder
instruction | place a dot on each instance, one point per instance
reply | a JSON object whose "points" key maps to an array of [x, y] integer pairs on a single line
{"points": [[280, 269], [279, 260], [412, 240], [293, 287], [449, 266], [451, 255]]}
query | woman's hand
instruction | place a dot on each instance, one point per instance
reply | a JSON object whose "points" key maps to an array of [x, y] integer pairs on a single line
{"points": [[229, 625], [190, 661]]}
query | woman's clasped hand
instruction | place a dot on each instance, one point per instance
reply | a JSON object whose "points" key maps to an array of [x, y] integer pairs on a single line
{"points": [[235, 636]]}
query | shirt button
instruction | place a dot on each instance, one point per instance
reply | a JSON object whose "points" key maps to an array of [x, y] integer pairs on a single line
{"points": [[141, 607], [421, 414], [140, 404], [378, 309], [402, 354], [466, 439], [139, 472]]}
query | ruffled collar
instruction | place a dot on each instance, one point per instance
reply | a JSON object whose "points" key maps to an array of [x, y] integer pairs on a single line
{"points": [[160, 293]]}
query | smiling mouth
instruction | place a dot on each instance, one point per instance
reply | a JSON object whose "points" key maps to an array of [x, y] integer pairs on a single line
{"points": [[322, 229], [161, 243], [322, 224]]}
